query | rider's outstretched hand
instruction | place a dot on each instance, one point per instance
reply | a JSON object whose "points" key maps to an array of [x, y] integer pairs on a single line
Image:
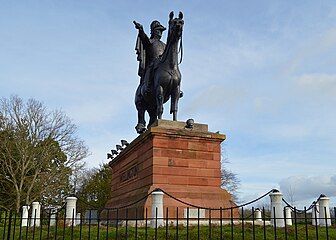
{"points": [[138, 25]]}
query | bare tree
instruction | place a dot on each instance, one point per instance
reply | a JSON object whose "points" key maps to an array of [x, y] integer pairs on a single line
{"points": [[229, 180], [38, 151], [290, 193]]}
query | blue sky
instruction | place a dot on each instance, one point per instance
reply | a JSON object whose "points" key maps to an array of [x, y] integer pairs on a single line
{"points": [[262, 72]]}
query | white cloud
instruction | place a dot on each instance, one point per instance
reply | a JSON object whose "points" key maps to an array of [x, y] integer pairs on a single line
{"points": [[216, 97], [312, 48], [274, 167], [318, 81], [302, 187], [93, 111], [286, 131], [332, 13]]}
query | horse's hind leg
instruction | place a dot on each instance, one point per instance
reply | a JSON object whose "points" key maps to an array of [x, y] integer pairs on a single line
{"points": [[175, 95], [159, 101]]}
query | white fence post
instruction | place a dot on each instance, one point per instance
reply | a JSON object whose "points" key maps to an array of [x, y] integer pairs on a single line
{"points": [[277, 209], [25, 214], [36, 214], [157, 209], [257, 215], [324, 211], [288, 214], [315, 214], [53, 217], [78, 219], [70, 210]]}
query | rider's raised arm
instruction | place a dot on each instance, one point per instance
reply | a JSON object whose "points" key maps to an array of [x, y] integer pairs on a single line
{"points": [[143, 36]]}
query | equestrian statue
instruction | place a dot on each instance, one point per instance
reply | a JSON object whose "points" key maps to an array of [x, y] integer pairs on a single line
{"points": [[160, 77]]}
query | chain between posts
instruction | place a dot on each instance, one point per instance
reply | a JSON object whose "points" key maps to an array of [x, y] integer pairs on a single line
{"points": [[304, 210], [200, 207]]}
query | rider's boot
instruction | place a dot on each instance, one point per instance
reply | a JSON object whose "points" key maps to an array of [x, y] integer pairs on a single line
{"points": [[148, 89]]}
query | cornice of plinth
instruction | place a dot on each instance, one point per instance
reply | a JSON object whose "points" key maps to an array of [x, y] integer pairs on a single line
{"points": [[170, 129], [187, 133]]}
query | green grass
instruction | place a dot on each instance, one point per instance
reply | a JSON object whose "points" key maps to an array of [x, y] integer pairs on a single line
{"points": [[204, 233]]}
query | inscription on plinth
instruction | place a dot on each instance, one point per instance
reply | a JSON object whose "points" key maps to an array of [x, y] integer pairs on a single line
{"points": [[130, 173]]}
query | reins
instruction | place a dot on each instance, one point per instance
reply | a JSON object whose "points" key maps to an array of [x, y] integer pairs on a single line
{"points": [[165, 53], [181, 48]]}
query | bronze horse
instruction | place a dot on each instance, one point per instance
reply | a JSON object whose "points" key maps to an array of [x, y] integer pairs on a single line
{"points": [[166, 79]]}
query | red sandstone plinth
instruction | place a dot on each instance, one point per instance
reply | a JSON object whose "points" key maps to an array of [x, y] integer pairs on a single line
{"points": [[183, 162]]}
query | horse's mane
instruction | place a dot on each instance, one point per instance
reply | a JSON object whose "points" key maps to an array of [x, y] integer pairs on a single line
{"points": [[168, 45], [165, 52]]}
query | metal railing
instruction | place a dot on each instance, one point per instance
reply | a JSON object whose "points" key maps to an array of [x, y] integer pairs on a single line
{"points": [[189, 222]]}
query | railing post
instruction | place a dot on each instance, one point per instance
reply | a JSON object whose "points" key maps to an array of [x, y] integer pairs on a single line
{"points": [[157, 209], [324, 211], [277, 209], [288, 212], [257, 215], [35, 219], [25, 214], [315, 214], [9, 226], [70, 210]]}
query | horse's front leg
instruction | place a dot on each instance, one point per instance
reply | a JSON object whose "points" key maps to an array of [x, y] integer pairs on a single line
{"points": [[175, 95], [159, 101], [141, 126], [152, 116]]}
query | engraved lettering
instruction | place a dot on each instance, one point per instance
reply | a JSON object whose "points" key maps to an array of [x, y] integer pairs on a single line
{"points": [[129, 173]]}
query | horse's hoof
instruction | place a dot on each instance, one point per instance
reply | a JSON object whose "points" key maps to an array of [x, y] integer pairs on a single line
{"points": [[140, 128]]}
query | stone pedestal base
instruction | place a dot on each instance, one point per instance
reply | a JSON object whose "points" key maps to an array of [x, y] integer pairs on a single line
{"points": [[183, 162]]}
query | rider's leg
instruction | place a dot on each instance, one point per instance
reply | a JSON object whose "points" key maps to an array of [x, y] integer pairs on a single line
{"points": [[146, 77], [149, 77]]}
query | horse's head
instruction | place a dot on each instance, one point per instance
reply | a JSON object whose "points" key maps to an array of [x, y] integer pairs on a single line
{"points": [[175, 26]]}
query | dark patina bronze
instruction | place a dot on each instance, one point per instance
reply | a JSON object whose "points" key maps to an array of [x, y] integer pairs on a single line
{"points": [[159, 72]]}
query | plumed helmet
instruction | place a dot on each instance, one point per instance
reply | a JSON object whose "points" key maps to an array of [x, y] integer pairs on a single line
{"points": [[156, 25]]}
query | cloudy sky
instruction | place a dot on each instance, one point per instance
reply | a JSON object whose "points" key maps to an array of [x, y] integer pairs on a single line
{"points": [[262, 72]]}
